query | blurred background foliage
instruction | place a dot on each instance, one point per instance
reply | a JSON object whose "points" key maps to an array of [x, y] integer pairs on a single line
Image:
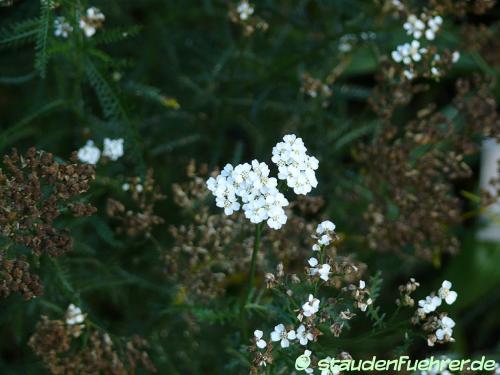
{"points": [[179, 81]]}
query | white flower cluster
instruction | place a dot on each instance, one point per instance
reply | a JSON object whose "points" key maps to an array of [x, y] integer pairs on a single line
{"points": [[408, 53], [323, 236], [245, 10], [74, 315], [411, 53], [92, 20], [445, 330], [62, 28], [284, 336], [294, 165], [249, 186], [424, 26], [261, 344], [431, 303], [90, 153], [75, 318], [322, 270], [311, 307], [257, 191]]}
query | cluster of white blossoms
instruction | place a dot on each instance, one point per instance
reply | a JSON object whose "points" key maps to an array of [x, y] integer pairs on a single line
{"points": [[324, 232], [426, 26], [258, 334], [62, 28], [302, 335], [430, 304], [258, 193], [294, 165], [324, 236], [445, 330], [75, 318], [245, 10], [92, 21], [322, 270], [412, 53], [74, 315], [310, 307], [249, 186], [90, 153], [408, 53]]}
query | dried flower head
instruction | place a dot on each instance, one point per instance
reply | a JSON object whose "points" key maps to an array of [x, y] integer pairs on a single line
{"points": [[140, 219], [56, 344], [34, 191], [416, 181], [15, 277]]}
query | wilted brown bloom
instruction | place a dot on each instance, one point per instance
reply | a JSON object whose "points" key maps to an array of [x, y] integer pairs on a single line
{"points": [[35, 190], [261, 359], [405, 292], [315, 88], [55, 344], [415, 168], [391, 91], [140, 219], [482, 39], [15, 277], [461, 7]]}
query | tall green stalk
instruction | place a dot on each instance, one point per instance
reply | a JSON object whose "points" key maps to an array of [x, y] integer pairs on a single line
{"points": [[256, 245], [251, 278]]}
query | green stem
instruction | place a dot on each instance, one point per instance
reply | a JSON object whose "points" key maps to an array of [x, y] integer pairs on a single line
{"points": [[256, 245], [251, 278]]}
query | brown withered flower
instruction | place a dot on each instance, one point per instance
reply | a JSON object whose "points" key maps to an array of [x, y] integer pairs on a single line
{"points": [[15, 277], [62, 353], [35, 190], [415, 167], [140, 218], [461, 8]]}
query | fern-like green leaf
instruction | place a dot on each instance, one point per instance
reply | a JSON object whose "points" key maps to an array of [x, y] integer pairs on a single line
{"points": [[109, 36], [109, 101], [19, 33], [42, 37]]}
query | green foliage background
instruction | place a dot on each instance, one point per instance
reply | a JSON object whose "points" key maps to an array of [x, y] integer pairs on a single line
{"points": [[238, 95]]}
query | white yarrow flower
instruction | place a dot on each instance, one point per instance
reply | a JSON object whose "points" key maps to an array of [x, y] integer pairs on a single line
{"points": [[280, 334], [303, 335], [113, 148], [62, 28], [323, 271], [311, 307], [74, 315], [89, 153], [446, 293], [325, 227], [92, 20], [430, 304], [261, 344], [245, 10], [445, 329], [294, 165]]}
